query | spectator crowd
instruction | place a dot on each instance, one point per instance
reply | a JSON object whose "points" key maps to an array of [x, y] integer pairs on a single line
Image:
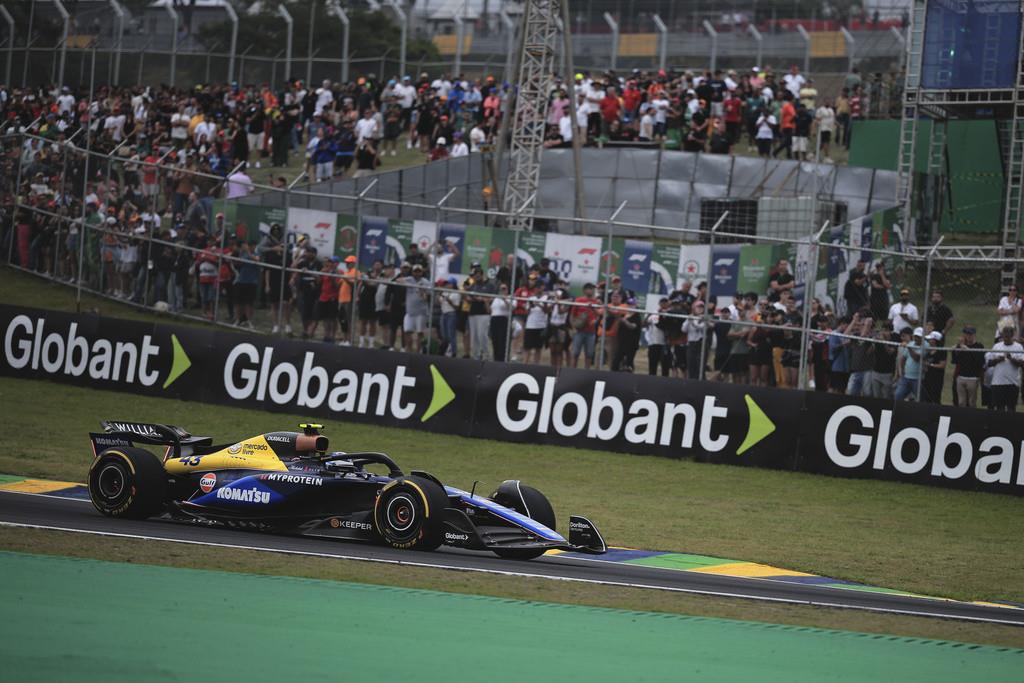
{"points": [[118, 190]]}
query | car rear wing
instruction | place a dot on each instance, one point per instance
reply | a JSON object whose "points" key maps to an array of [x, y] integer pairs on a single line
{"points": [[118, 433]]}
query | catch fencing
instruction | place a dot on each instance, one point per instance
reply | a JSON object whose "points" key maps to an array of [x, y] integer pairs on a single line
{"points": [[157, 265]]}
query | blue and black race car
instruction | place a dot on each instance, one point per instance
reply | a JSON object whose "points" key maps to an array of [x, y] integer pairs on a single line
{"points": [[289, 482]]}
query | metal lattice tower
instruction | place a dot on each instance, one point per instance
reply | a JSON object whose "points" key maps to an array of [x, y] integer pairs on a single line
{"points": [[540, 37], [942, 105]]}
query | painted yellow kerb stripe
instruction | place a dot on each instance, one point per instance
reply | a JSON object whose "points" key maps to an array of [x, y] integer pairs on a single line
{"points": [[748, 569], [37, 486]]}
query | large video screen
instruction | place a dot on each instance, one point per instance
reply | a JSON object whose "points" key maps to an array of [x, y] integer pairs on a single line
{"points": [[971, 44]]}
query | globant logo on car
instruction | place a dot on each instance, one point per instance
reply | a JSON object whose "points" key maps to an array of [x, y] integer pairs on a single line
{"points": [[913, 451]]}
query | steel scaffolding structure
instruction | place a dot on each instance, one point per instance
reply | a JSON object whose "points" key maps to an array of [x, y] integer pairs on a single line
{"points": [[940, 105], [539, 40]]}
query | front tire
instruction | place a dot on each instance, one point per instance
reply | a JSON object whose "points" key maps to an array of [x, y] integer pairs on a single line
{"points": [[409, 514], [528, 501], [127, 482]]}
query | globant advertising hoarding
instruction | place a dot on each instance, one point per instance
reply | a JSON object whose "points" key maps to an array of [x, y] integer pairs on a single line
{"points": [[533, 405]]}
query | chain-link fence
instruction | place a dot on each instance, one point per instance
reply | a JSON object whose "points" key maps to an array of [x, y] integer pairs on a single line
{"points": [[836, 309]]}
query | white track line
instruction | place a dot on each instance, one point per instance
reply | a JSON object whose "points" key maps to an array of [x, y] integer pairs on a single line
{"points": [[502, 572]]}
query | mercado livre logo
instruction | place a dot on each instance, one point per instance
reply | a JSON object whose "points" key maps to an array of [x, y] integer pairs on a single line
{"points": [[30, 344]]}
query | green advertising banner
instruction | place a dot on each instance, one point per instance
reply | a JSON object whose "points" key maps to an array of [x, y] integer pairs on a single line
{"points": [[503, 243], [664, 266], [478, 248], [347, 236], [400, 234], [534, 244], [254, 221], [756, 261]]}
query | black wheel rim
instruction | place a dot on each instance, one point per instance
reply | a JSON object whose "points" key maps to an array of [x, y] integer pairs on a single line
{"points": [[401, 515], [112, 482]]}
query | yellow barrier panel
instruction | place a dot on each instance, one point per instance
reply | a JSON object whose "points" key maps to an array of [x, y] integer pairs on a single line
{"points": [[446, 43], [638, 45], [827, 44]]}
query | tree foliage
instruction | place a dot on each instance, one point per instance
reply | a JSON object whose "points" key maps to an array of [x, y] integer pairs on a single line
{"points": [[372, 34]]}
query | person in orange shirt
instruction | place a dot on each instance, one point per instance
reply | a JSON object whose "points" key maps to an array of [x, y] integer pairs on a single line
{"points": [[787, 125], [346, 288]]}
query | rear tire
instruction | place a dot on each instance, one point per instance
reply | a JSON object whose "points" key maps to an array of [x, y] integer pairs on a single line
{"points": [[409, 514], [528, 501], [127, 482]]}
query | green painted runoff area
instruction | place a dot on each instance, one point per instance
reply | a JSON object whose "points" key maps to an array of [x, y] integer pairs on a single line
{"points": [[67, 618]]}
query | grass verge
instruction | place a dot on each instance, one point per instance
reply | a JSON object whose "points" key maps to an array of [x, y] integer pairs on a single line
{"points": [[225, 559], [941, 542]]}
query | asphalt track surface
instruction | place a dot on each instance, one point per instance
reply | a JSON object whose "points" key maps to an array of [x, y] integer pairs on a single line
{"points": [[52, 512]]}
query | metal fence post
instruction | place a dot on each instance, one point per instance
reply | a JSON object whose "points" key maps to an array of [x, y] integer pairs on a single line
{"points": [[309, 45], [359, 236], [83, 241], [438, 213], [851, 46], [807, 47], [9, 20], [233, 17], [119, 11], [403, 20], [662, 40], [510, 45], [65, 20], [924, 310], [174, 43], [707, 304], [608, 278], [710, 30], [343, 17], [284, 14], [614, 26], [460, 38], [752, 30], [812, 281]]}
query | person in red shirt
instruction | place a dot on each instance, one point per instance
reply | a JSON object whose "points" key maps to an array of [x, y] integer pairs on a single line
{"points": [[611, 109], [519, 308], [584, 319], [632, 97], [327, 303], [732, 109], [787, 126]]}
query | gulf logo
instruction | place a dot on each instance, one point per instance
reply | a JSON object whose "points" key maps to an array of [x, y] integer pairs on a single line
{"points": [[208, 481]]}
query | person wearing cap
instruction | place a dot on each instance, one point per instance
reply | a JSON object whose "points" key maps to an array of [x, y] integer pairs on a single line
{"points": [[346, 298], [909, 362], [366, 302], [440, 150], [904, 314], [327, 303], [449, 300], [970, 368], [1005, 359], [480, 312], [934, 369], [417, 296]]}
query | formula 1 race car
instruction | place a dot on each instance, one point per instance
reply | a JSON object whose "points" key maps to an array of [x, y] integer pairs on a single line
{"points": [[288, 482]]}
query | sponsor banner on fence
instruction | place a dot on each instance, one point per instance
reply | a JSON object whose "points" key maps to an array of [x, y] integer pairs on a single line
{"points": [[321, 226], [574, 257], [664, 268], [373, 241], [693, 262], [636, 265], [624, 413], [725, 271]]}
